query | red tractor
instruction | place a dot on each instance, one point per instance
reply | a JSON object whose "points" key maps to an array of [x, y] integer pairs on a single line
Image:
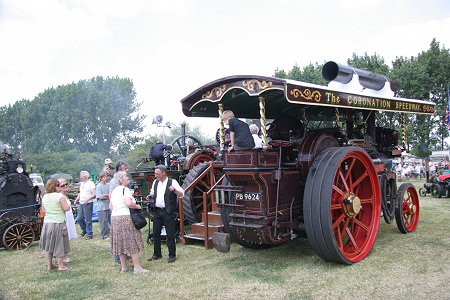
{"points": [[325, 167]]}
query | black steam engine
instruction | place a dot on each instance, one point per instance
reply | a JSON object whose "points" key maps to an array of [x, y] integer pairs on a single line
{"points": [[20, 223]]}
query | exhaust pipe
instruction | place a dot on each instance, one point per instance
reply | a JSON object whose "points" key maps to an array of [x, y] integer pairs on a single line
{"points": [[332, 71]]}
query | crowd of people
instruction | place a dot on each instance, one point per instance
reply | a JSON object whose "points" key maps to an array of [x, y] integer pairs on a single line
{"points": [[114, 201], [407, 170]]}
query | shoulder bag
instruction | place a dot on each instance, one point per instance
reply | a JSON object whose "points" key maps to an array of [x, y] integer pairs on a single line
{"points": [[137, 216]]}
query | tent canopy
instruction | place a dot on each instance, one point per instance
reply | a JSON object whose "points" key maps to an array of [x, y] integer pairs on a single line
{"points": [[66, 176]]}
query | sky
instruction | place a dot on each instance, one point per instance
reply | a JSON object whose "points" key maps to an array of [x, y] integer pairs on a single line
{"points": [[169, 48]]}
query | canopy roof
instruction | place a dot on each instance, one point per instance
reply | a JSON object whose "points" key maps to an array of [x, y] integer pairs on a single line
{"points": [[240, 93]]}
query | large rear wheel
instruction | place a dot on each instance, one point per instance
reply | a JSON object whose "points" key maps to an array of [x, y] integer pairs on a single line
{"points": [[407, 208], [342, 205]]}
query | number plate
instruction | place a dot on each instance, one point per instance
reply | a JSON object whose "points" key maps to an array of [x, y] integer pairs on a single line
{"points": [[247, 196]]}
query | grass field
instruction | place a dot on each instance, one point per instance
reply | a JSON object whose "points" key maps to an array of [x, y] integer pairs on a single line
{"points": [[412, 266]]}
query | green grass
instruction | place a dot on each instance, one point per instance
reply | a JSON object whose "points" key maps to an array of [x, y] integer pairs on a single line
{"points": [[412, 266]]}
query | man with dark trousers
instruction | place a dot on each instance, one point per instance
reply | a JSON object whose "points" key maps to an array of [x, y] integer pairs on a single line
{"points": [[165, 191]]}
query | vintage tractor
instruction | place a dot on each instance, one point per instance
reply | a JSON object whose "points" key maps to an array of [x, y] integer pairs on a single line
{"points": [[20, 201], [187, 159], [325, 165], [432, 187]]}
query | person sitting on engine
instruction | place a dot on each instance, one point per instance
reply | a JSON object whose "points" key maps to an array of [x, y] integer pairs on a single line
{"points": [[240, 135], [157, 152]]}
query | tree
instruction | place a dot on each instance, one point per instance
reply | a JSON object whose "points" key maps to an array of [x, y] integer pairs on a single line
{"points": [[376, 64], [426, 77], [11, 126], [96, 115], [311, 73]]}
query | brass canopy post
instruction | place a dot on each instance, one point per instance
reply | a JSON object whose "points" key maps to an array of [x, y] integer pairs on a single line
{"points": [[262, 113], [222, 128]]}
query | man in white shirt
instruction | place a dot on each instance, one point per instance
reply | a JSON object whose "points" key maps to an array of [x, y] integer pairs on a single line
{"points": [[85, 198], [165, 191]]}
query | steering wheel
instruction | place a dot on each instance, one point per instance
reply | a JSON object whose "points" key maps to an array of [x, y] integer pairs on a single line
{"points": [[185, 144]]}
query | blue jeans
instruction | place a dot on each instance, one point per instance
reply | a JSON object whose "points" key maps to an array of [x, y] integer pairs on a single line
{"points": [[104, 219], [85, 218]]}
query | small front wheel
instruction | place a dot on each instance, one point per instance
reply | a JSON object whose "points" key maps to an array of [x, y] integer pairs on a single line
{"points": [[407, 208]]}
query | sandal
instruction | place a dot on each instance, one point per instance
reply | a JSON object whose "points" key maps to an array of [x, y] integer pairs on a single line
{"points": [[140, 271], [124, 271], [67, 260], [65, 268], [51, 268]]}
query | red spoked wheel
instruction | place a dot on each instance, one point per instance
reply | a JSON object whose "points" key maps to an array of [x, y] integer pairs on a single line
{"points": [[407, 208], [342, 205]]}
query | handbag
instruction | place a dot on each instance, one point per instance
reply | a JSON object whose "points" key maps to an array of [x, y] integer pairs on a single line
{"points": [[138, 218]]}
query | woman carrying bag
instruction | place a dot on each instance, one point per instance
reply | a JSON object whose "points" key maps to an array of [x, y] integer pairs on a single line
{"points": [[125, 238]]}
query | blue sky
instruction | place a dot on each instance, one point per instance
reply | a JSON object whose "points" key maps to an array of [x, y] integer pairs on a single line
{"points": [[169, 48]]}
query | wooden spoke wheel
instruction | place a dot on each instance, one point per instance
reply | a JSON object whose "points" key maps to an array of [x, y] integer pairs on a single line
{"points": [[407, 208], [193, 199], [342, 205], [18, 236]]}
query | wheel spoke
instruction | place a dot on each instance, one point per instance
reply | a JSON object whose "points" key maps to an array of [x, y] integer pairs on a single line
{"points": [[344, 228], [352, 240], [338, 221], [336, 206], [344, 181], [338, 190], [361, 178], [350, 168], [361, 224]]}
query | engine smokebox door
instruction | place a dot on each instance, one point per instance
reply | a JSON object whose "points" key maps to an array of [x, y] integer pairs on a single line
{"points": [[221, 242]]}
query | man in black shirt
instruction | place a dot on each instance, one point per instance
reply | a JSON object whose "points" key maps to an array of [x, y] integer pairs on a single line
{"points": [[157, 152], [240, 136]]}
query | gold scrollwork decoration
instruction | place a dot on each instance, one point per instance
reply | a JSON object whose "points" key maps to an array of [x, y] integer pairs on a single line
{"points": [[307, 94], [262, 85], [217, 92]]}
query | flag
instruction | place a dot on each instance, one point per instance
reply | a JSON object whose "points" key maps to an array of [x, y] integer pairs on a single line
{"points": [[447, 115]]}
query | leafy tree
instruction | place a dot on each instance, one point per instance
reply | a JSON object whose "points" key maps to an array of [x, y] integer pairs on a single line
{"points": [[11, 128], [311, 73], [426, 77], [96, 115]]}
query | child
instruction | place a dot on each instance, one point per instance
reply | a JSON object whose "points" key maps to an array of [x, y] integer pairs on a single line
{"points": [[240, 135]]}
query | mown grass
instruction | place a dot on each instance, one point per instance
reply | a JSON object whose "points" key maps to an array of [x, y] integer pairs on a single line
{"points": [[412, 266]]}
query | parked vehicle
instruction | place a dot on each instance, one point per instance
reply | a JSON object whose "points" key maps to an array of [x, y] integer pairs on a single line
{"points": [[37, 181], [325, 166], [20, 201]]}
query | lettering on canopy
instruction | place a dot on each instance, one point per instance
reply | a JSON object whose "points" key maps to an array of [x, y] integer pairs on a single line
{"points": [[315, 96]]}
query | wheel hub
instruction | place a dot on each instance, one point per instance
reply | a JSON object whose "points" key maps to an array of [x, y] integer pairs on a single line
{"points": [[411, 209], [351, 204]]}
